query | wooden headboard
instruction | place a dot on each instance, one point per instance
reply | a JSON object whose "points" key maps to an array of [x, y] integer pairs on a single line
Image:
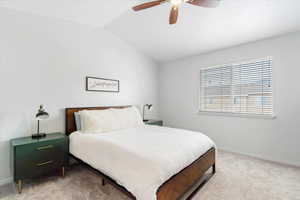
{"points": [[70, 119]]}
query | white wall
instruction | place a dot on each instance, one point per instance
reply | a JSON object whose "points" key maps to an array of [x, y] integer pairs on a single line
{"points": [[277, 139], [44, 61]]}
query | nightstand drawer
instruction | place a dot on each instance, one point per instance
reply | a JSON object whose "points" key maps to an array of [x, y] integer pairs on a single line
{"points": [[41, 151], [32, 169]]}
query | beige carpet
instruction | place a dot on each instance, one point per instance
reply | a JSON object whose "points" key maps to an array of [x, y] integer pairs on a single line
{"points": [[237, 178]]}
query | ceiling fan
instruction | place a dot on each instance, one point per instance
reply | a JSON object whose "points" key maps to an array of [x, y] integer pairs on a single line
{"points": [[176, 4]]}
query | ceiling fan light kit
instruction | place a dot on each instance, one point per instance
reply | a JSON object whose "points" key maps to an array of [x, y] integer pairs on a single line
{"points": [[177, 2], [175, 6]]}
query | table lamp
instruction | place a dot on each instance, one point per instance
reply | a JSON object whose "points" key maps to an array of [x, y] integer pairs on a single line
{"points": [[41, 115], [148, 106]]}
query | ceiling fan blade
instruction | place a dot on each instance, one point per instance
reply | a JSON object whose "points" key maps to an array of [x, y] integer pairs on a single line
{"points": [[148, 5], [205, 3], [173, 15]]}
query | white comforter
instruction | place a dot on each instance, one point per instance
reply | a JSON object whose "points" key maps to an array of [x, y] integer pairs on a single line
{"points": [[140, 159]]}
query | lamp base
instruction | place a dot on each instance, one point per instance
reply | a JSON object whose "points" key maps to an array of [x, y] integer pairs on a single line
{"points": [[38, 135]]}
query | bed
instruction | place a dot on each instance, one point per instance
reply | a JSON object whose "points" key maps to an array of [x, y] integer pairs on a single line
{"points": [[140, 162]]}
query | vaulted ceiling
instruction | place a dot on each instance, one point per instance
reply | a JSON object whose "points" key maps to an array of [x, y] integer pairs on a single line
{"points": [[198, 30], [92, 12]]}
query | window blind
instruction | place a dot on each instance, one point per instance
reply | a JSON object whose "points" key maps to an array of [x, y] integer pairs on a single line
{"points": [[238, 88]]}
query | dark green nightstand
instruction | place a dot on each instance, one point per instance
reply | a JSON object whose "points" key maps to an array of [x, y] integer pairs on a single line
{"points": [[31, 157], [154, 122]]}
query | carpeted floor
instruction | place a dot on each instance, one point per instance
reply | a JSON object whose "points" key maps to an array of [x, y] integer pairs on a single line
{"points": [[238, 178]]}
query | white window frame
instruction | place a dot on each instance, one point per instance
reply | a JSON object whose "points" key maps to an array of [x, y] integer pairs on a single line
{"points": [[232, 114]]}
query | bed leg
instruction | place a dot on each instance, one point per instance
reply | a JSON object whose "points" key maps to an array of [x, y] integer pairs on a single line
{"points": [[103, 182], [214, 168]]}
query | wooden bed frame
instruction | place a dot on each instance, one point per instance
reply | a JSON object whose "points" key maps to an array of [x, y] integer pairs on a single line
{"points": [[174, 188]]}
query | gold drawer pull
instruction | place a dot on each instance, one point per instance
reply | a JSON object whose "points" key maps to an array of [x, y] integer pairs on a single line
{"points": [[44, 163], [45, 147]]}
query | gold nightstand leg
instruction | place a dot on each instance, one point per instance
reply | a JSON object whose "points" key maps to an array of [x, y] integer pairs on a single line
{"points": [[63, 171], [19, 186]]}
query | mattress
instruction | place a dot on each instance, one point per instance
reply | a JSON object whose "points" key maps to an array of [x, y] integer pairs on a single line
{"points": [[140, 159]]}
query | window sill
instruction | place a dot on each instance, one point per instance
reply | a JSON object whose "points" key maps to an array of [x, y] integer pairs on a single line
{"points": [[225, 114]]}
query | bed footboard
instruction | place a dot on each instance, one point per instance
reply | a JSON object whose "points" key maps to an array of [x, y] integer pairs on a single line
{"points": [[180, 183]]}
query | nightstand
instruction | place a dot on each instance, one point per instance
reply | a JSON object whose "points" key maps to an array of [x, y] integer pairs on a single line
{"points": [[154, 122], [31, 158]]}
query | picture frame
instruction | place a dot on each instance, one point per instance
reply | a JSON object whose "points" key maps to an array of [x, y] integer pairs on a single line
{"points": [[94, 84]]}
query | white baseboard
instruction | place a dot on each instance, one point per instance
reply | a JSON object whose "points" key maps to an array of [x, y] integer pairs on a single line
{"points": [[282, 162], [6, 181]]}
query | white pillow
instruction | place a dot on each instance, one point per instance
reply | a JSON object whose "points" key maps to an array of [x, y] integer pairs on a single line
{"points": [[77, 121], [128, 117], [98, 121]]}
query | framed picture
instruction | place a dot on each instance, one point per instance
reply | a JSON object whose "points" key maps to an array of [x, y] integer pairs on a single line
{"points": [[102, 85]]}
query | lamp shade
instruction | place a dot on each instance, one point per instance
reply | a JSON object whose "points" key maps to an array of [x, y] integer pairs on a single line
{"points": [[42, 114], [149, 106]]}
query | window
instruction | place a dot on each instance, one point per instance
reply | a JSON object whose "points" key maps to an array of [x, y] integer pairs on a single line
{"points": [[239, 88]]}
